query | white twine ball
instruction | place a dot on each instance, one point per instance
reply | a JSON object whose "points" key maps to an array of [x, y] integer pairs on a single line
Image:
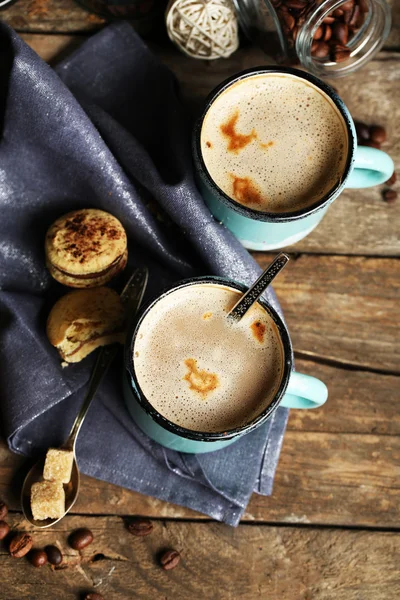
{"points": [[203, 28]]}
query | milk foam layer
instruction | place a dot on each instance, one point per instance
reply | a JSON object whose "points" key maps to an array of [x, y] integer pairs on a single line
{"points": [[202, 372], [274, 142]]}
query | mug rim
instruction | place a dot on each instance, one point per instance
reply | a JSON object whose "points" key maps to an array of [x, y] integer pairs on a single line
{"points": [[212, 436], [251, 213]]}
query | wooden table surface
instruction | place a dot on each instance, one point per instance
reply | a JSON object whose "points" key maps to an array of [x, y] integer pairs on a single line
{"points": [[330, 530]]}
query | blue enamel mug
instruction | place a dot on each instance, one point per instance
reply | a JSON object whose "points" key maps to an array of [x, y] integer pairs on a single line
{"points": [[257, 230], [296, 390]]}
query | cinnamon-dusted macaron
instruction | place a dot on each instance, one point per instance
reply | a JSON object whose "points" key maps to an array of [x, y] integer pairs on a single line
{"points": [[83, 320], [86, 248]]}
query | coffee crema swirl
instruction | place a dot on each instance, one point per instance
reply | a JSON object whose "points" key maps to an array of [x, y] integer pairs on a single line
{"points": [[200, 370], [274, 142]]}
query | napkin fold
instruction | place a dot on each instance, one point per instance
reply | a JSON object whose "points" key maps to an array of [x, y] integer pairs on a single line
{"points": [[107, 130]]}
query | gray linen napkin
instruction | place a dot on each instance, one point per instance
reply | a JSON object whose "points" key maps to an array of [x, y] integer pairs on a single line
{"points": [[107, 130]]}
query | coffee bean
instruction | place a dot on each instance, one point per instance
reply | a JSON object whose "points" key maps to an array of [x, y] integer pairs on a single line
{"points": [[296, 4], [371, 144], [20, 545], [170, 559], [347, 6], [339, 53], [364, 6], [329, 20], [327, 34], [377, 134], [54, 555], [319, 33], [391, 181], [3, 510], [338, 12], [38, 558], [288, 20], [362, 131], [314, 46], [140, 527], [389, 196], [93, 596], [340, 32], [322, 50], [4, 530], [355, 15], [80, 538]]}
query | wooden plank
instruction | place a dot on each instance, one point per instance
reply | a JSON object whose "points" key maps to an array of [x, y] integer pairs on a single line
{"points": [[358, 222], [359, 402], [322, 478], [218, 563], [53, 48], [66, 16], [51, 16], [342, 309]]}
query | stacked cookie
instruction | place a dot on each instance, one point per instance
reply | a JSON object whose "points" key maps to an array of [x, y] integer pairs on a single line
{"points": [[86, 249]]}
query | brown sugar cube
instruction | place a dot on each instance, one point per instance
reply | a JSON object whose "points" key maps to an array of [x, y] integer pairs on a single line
{"points": [[58, 465], [47, 500]]}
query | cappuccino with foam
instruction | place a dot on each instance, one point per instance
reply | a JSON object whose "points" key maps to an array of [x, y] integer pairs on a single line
{"points": [[274, 142], [200, 370]]}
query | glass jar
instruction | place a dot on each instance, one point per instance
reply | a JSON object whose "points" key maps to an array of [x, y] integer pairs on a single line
{"points": [[329, 38]]}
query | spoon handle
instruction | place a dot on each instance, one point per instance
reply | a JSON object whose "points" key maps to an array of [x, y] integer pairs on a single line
{"points": [[131, 297], [255, 291], [103, 361]]}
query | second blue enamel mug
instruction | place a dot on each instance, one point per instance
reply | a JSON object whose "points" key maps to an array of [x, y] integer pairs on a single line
{"points": [[258, 230]]}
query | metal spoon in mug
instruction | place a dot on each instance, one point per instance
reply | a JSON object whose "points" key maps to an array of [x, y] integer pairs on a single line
{"points": [[131, 297], [254, 292]]}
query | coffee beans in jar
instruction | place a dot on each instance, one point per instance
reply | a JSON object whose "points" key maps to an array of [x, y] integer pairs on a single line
{"points": [[328, 37]]}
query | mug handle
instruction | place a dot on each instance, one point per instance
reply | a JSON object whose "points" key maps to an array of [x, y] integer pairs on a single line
{"points": [[304, 391], [371, 167]]}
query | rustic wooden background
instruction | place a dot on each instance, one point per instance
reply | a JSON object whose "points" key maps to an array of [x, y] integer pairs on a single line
{"points": [[330, 531]]}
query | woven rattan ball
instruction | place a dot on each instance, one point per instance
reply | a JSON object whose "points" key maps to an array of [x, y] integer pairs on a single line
{"points": [[205, 29]]}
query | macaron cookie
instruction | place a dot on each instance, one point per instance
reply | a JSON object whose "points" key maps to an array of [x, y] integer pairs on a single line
{"points": [[83, 320], [86, 248]]}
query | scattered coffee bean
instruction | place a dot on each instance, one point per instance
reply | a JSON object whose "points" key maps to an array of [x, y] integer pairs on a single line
{"points": [[93, 596], [340, 32], [80, 538], [54, 555], [4, 530], [170, 559], [20, 545], [3, 510], [390, 196], [371, 144], [38, 558], [377, 134], [140, 527], [362, 131], [392, 180], [339, 53]]}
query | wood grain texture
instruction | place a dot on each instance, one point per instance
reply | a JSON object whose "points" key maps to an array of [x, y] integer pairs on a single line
{"points": [[342, 308], [218, 563], [66, 16], [358, 222], [339, 464]]}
